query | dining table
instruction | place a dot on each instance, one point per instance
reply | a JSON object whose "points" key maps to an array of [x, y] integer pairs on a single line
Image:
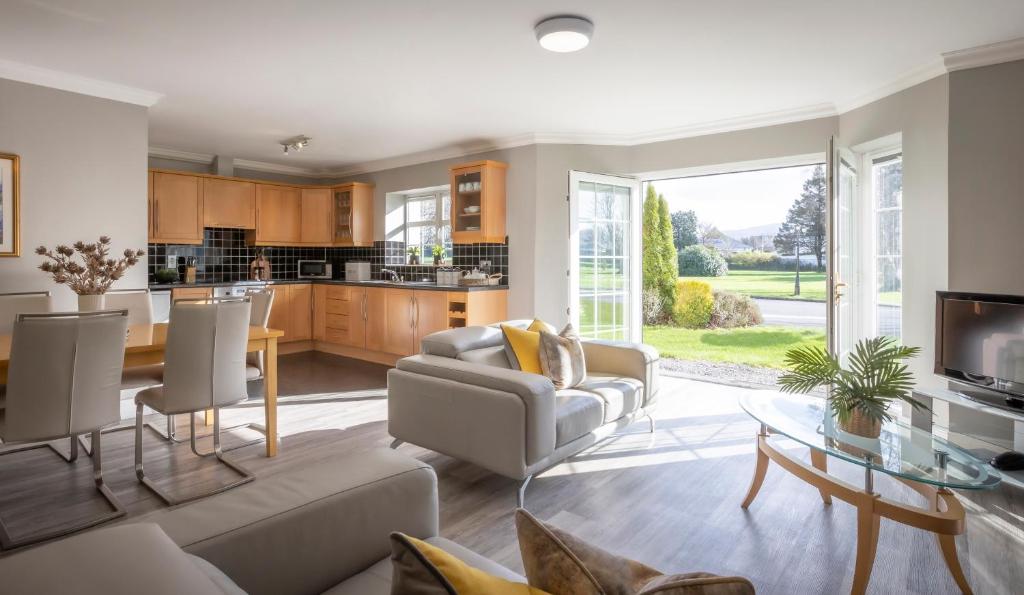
{"points": [[146, 345]]}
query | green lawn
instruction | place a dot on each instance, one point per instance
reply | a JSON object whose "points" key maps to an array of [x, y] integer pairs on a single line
{"points": [[770, 284], [764, 346]]}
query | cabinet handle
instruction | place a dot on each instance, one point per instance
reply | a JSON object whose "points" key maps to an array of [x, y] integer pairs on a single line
{"points": [[365, 310], [156, 217], [412, 312]]}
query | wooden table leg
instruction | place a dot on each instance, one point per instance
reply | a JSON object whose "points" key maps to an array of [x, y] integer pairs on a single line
{"points": [[270, 395], [947, 543], [760, 469], [820, 462], [867, 544]]}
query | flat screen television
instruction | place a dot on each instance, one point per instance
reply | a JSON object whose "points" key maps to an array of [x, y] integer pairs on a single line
{"points": [[979, 341]]}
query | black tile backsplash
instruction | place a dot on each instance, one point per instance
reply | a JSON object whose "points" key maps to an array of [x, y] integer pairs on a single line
{"points": [[224, 257]]}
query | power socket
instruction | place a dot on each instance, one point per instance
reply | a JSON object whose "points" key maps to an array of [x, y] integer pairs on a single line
{"points": [[172, 261], [485, 264]]}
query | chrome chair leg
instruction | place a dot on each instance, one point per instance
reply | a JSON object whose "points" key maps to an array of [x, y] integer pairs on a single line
{"points": [[650, 418], [217, 453], [169, 437], [521, 492], [396, 443], [8, 543]]}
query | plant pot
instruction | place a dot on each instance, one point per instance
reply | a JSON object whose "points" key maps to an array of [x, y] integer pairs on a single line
{"points": [[91, 302], [860, 424], [438, 261], [414, 260]]}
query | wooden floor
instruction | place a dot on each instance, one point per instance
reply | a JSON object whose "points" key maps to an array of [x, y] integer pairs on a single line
{"points": [[670, 500]]}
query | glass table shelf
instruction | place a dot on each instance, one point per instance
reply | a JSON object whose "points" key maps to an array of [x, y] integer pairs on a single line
{"points": [[901, 450]]}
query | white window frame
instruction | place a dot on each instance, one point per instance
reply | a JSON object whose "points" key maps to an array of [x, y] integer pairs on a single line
{"points": [[442, 217], [868, 216]]}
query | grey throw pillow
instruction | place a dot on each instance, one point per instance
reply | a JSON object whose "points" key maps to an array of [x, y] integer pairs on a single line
{"points": [[561, 357]]}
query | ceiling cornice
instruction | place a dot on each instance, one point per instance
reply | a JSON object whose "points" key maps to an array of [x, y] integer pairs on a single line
{"points": [[65, 81], [177, 155], [984, 55], [905, 81]]}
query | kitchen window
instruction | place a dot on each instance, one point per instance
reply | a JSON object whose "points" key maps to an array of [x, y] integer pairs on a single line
{"points": [[428, 222]]}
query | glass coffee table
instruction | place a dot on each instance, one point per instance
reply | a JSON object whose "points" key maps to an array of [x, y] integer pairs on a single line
{"points": [[926, 463]]}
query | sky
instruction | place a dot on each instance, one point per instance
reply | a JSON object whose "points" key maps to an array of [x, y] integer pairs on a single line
{"points": [[737, 200]]}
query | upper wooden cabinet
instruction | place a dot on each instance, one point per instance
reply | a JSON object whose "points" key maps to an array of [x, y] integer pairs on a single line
{"points": [[229, 203], [353, 214], [278, 215], [478, 202], [317, 228], [175, 209]]}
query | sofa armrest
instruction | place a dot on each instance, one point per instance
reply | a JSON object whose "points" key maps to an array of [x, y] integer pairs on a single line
{"points": [[632, 360], [474, 411], [307, 529]]}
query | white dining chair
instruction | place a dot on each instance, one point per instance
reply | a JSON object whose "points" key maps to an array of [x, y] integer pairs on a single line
{"points": [[31, 302], [262, 303], [204, 368], [138, 302], [63, 380]]}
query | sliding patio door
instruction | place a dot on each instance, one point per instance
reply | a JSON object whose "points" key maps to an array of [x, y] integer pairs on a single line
{"points": [[843, 251], [604, 271]]}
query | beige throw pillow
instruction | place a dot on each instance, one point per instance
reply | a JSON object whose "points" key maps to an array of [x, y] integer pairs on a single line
{"points": [[561, 357], [562, 564]]}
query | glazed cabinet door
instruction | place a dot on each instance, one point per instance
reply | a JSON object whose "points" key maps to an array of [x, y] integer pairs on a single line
{"points": [[177, 209], [317, 226], [278, 214], [229, 203]]}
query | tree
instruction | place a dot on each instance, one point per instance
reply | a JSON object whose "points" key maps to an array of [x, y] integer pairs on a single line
{"points": [[684, 229], [805, 226], [670, 272], [659, 265]]}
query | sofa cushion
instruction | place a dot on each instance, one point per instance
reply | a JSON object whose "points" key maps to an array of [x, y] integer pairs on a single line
{"points": [[488, 356], [576, 413], [126, 559], [621, 395], [216, 575], [376, 580], [452, 342], [561, 357]]}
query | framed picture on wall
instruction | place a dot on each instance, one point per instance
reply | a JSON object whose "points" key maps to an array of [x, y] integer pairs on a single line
{"points": [[10, 214]]}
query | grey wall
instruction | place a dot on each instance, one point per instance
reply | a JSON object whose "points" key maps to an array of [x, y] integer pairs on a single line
{"points": [[921, 114], [986, 178], [83, 174]]}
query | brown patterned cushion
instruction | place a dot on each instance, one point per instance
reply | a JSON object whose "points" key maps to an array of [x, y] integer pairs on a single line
{"points": [[561, 357], [563, 564]]}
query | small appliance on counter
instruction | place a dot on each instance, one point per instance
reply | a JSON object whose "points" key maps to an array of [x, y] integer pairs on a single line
{"points": [[448, 276], [259, 268], [314, 269], [357, 271]]}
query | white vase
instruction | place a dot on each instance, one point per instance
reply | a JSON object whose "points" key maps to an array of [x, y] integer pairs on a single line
{"points": [[91, 303]]}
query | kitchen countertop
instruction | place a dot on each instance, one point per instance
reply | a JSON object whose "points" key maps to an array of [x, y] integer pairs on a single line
{"points": [[406, 285]]}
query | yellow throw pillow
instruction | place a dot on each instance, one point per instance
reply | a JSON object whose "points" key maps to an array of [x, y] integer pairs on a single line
{"points": [[423, 569], [523, 346]]}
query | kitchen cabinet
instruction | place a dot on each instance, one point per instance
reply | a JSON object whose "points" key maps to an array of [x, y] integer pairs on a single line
{"points": [[175, 209], [400, 317], [316, 226], [343, 316], [352, 213], [376, 318], [476, 308], [229, 203], [191, 293], [319, 312], [431, 314], [478, 202], [292, 311], [278, 215]]}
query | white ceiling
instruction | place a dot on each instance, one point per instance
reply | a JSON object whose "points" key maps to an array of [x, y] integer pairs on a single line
{"points": [[371, 80]]}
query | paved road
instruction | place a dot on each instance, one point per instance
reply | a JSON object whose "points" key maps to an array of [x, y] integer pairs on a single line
{"points": [[812, 314], [792, 313]]}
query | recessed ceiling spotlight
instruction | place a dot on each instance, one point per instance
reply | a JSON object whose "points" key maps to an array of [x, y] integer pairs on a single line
{"points": [[295, 144], [564, 33]]}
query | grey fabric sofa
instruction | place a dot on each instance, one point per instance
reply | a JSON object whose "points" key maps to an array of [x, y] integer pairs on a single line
{"points": [[460, 397], [316, 529]]}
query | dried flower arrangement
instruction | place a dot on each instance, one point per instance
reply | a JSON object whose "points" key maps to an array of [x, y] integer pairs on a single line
{"points": [[96, 273]]}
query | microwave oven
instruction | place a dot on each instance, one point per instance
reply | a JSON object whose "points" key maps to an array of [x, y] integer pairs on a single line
{"points": [[314, 269]]}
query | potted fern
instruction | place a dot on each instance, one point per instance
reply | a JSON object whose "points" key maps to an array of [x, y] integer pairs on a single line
{"points": [[860, 396]]}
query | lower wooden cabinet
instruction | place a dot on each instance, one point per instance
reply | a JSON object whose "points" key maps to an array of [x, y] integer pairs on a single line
{"points": [[191, 293], [292, 311], [339, 315], [431, 314]]}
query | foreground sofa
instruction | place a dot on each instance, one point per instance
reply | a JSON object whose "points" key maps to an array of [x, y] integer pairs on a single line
{"points": [[461, 397], [316, 529]]}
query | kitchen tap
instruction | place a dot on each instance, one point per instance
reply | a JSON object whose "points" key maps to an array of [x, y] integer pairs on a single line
{"points": [[395, 278]]}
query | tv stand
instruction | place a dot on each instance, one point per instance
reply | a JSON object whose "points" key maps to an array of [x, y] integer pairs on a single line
{"points": [[989, 402]]}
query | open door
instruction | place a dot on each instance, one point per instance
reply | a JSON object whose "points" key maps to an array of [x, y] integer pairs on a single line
{"points": [[604, 269], [842, 251]]}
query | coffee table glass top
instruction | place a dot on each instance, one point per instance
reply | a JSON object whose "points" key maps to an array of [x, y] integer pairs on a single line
{"points": [[901, 450]]}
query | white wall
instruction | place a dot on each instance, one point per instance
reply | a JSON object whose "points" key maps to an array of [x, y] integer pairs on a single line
{"points": [[83, 175], [921, 113]]}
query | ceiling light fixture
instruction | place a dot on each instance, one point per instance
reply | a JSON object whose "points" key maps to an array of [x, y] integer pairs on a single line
{"points": [[564, 33], [295, 144]]}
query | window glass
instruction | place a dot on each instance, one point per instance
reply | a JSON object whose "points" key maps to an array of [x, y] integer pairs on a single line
{"points": [[428, 222], [887, 190]]}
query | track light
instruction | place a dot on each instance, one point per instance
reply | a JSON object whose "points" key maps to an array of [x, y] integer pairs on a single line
{"points": [[295, 144]]}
